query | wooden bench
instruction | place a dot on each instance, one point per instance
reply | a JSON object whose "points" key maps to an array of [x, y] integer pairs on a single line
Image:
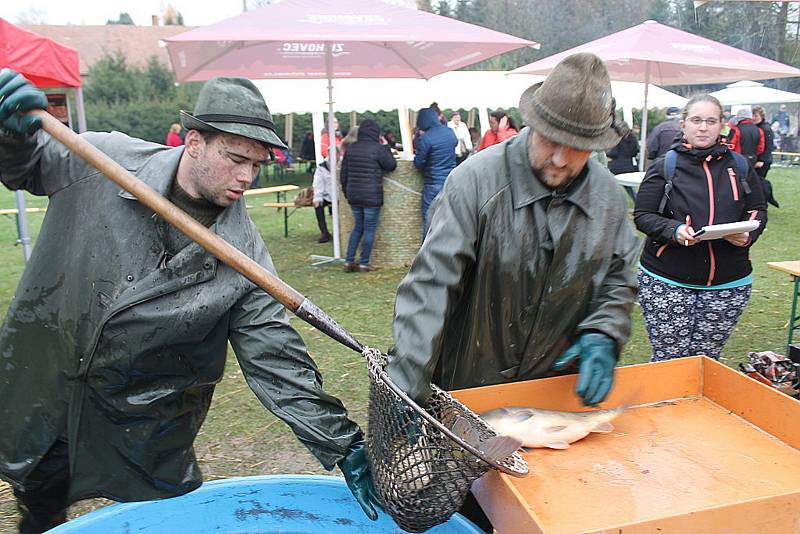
{"points": [[792, 158], [285, 206], [14, 211], [280, 193], [278, 189]]}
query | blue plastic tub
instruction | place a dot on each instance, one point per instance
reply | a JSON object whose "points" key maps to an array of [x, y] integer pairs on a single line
{"points": [[265, 504]]}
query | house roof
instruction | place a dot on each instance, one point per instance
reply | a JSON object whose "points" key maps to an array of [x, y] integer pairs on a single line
{"points": [[137, 43]]}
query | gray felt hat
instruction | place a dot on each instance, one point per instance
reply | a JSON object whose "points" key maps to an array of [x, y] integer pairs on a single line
{"points": [[235, 106], [574, 105]]}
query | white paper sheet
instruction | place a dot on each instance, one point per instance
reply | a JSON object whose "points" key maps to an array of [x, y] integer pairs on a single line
{"points": [[718, 231]]}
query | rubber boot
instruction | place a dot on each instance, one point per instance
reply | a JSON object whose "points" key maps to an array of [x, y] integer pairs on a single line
{"points": [[324, 235]]}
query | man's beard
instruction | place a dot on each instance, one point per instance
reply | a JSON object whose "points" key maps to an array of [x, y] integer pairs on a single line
{"points": [[555, 179]]}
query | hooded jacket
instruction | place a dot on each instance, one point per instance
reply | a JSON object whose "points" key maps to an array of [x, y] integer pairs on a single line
{"points": [[364, 165], [705, 190], [109, 346], [511, 272], [435, 149]]}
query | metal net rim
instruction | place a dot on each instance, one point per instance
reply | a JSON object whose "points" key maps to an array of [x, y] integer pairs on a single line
{"points": [[513, 465]]}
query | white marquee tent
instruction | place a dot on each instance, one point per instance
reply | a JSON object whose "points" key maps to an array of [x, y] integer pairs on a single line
{"points": [[484, 90], [749, 92]]}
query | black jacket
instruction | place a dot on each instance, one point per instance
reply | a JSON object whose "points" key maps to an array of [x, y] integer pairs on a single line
{"points": [[364, 165], [622, 155], [662, 137], [698, 173], [307, 149], [747, 139], [769, 142]]}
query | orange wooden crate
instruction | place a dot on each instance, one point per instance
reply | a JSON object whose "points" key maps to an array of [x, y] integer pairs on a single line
{"points": [[703, 449]]}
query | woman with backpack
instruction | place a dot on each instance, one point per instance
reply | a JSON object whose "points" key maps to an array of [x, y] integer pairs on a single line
{"points": [[693, 292], [364, 163]]}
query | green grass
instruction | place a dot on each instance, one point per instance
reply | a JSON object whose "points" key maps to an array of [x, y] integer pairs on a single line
{"points": [[241, 438]]}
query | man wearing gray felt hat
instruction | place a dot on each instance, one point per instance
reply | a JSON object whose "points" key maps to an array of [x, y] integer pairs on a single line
{"points": [[527, 269], [105, 392]]}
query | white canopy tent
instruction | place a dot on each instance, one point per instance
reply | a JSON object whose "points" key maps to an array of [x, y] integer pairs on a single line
{"points": [[631, 95], [749, 92], [484, 90]]}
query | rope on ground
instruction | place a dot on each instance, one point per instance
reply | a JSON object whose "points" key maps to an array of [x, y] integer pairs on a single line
{"points": [[401, 186]]}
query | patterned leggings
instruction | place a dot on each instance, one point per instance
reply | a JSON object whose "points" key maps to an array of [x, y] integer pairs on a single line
{"points": [[686, 322]]}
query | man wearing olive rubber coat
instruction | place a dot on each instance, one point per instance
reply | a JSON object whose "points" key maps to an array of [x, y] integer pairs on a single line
{"points": [[118, 331], [528, 265]]}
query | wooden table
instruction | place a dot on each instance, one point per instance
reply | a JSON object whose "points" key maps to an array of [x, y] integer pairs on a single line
{"points": [[282, 204], [793, 269]]}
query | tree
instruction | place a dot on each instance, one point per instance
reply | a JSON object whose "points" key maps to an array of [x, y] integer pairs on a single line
{"points": [[159, 80], [124, 18], [443, 8], [139, 102], [112, 81], [172, 17], [462, 10]]}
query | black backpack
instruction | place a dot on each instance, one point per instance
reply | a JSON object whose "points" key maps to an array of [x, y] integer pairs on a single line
{"points": [[740, 164]]}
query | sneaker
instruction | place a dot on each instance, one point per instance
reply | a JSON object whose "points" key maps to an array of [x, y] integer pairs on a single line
{"points": [[366, 268], [350, 267]]}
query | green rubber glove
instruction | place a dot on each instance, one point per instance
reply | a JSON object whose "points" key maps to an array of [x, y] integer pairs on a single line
{"points": [[598, 356], [355, 469], [18, 95]]}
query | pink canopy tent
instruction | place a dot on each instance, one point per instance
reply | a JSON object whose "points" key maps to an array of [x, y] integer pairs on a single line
{"points": [[654, 53], [333, 39], [47, 64]]}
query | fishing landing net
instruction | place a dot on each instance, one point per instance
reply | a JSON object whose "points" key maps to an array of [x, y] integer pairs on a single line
{"points": [[421, 469]]}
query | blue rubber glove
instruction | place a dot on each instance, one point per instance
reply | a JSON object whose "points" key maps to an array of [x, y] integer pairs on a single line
{"points": [[18, 95], [598, 356], [355, 469]]}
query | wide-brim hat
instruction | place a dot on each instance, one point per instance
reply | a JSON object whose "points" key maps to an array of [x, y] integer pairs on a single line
{"points": [[234, 106], [574, 105]]}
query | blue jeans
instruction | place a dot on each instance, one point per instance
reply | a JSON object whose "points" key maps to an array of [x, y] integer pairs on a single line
{"points": [[430, 189], [365, 221]]}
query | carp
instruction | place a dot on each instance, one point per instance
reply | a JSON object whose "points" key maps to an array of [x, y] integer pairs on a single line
{"points": [[546, 428]]}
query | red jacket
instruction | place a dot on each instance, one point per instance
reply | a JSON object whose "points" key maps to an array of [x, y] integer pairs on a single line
{"points": [[747, 139], [490, 138], [173, 139], [324, 143]]}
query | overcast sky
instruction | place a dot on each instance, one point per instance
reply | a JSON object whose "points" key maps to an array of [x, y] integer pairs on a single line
{"points": [[195, 12]]}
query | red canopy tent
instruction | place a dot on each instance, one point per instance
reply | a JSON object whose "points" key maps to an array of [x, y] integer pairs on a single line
{"points": [[43, 61], [47, 65]]}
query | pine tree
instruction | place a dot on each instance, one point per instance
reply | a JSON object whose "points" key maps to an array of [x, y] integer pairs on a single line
{"points": [[124, 18]]}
